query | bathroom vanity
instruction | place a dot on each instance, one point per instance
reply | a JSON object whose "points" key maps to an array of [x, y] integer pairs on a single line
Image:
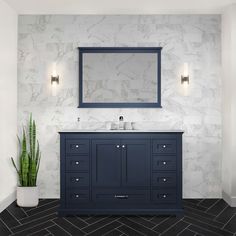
{"points": [[121, 172]]}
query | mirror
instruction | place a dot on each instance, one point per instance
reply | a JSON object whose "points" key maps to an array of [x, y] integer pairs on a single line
{"points": [[119, 77]]}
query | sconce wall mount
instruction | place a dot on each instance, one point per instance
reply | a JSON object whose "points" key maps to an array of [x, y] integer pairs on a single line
{"points": [[55, 79], [184, 79]]}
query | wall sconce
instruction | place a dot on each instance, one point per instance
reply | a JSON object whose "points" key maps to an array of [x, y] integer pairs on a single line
{"points": [[54, 81], [185, 76]]}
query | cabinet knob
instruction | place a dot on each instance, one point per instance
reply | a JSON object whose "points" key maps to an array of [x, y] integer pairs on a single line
{"points": [[77, 179], [164, 163], [164, 195], [118, 146], [77, 162], [164, 146], [77, 195], [76, 146], [164, 179], [123, 146]]}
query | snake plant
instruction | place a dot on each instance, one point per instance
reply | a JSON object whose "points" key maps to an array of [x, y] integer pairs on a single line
{"points": [[29, 158]]}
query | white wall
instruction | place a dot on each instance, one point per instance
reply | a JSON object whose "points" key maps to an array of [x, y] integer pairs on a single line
{"points": [[229, 104], [8, 102]]}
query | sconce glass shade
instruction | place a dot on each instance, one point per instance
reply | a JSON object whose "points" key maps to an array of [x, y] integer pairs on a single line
{"points": [[185, 76]]}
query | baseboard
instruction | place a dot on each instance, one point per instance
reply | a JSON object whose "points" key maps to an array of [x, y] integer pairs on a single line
{"points": [[230, 200], [7, 201]]}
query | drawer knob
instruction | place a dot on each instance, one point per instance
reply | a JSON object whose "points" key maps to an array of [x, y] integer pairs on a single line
{"points": [[164, 179], [123, 146], [77, 146], [164, 163], [164, 196], [164, 146], [77, 179], [77, 195], [118, 146], [77, 162]]}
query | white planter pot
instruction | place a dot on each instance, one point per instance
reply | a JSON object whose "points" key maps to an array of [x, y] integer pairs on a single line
{"points": [[27, 196]]}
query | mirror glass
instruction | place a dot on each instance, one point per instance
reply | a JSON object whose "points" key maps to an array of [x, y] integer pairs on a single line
{"points": [[115, 77]]}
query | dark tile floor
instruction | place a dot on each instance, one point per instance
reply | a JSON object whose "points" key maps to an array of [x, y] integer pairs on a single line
{"points": [[201, 217]]}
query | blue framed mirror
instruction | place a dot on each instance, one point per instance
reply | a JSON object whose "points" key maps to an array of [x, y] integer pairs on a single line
{"points": [[119, 77]]}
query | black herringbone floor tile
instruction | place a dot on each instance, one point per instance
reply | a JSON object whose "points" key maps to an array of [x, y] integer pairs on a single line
{"points": [[205, 217], [33, 229], [63, 223], [113, 232], [77, 222], [231, 224], [105, 229], [9, 219], [57, 230], [35, 222], [226, 214], [187, 232], [129, 231], [18, 212], [140, 228], [207, 226], [162, 227], [4, 229], [217, 208], [207, 202], [176, 229]]}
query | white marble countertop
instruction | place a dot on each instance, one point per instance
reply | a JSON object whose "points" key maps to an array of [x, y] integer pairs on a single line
{"points": [[120, 131]]}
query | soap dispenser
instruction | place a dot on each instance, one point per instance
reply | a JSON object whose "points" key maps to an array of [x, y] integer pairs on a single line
{"points": [[121, 122]]}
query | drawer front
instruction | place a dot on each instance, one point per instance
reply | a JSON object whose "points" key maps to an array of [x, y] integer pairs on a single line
{"points": [[77, 163], [164, 196], [121, 196], [77, 146], [74, 196], [164, 179], [74, 180], [164, 163], [164, 146]]}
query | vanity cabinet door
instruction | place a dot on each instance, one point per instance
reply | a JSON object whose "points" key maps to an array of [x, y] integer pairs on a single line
{"points": [[135, 163], [106, 163]]}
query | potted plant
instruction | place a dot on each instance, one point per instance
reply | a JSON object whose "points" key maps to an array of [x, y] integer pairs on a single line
{"points": [[29, 160]]}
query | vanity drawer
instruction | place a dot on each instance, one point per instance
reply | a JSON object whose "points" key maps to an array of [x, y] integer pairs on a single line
{"points": [[164, 179], [164, 146], [164, 163], [77, 146], [164, 196], [74, 180], [120, 196], [77, 163], [74, 196]]}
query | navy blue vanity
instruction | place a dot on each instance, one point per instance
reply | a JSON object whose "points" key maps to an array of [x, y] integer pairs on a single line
{"points": [[121, 172]]}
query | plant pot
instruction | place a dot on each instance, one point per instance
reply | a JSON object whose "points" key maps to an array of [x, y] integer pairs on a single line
{"points": [[27, 196]]}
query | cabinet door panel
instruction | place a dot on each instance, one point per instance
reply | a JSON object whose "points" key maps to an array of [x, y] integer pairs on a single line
{"points": [[136, 163], [106, 163]]}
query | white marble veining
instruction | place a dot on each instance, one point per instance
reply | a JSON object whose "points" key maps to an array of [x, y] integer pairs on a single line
{"points": [[196, 110]]}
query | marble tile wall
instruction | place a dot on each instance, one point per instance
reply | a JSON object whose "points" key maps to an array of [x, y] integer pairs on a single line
{"points": [[43, 40]]}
